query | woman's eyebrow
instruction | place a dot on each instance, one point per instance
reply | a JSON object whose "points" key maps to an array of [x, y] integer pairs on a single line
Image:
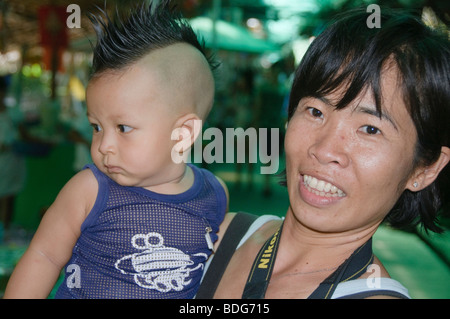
{"points": [[325, 101]]}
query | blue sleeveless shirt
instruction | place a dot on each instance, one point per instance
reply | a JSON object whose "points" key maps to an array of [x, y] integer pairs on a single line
{"points": [[139, 244]]}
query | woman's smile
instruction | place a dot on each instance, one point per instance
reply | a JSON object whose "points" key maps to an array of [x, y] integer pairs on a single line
{"points": [[317, 192], [322, 188]]}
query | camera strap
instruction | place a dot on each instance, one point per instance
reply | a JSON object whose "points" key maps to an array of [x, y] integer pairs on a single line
{"points": [[261, 271]]}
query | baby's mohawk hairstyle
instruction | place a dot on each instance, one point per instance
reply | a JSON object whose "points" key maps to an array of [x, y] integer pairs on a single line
{"points": [[127, 37]]}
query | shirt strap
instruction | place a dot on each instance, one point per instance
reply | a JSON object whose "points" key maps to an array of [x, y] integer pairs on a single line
{"points": [[363, 288]]}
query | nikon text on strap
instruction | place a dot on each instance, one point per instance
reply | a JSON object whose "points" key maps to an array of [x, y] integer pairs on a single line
{"points": [[261, 271]]}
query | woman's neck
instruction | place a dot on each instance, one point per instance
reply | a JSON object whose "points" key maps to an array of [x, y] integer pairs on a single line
{"points": [[304, 250]]}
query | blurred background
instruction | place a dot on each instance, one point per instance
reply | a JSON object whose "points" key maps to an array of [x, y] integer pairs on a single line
{"points": [[45, 59]]}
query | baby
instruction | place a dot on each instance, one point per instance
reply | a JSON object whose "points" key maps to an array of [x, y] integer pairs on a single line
{"points": [[136, 223]]}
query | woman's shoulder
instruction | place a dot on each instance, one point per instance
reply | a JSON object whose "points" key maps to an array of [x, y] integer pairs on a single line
{"points": [[261, 229], [374, 283], [377, 287]]}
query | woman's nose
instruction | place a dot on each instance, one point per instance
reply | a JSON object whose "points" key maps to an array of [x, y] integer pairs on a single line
{"points": [[331, 146]]}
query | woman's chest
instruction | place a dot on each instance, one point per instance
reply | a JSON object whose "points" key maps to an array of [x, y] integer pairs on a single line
{"points": [[294, 285]]}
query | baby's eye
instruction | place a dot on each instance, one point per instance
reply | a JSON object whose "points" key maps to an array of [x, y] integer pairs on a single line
{"points": [[371, 130], [96, 127], [314, 112], [124, 128]]}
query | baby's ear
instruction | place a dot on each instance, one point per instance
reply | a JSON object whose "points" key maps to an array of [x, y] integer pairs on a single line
{"points": [[186, 130], [424, 176]]}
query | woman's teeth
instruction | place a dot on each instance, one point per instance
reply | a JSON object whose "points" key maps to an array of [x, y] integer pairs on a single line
{"points": [[321, 188]]}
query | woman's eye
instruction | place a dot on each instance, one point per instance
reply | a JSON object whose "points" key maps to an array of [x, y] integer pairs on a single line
{"points": [[314, 112], [124, 128], [371, 130]]}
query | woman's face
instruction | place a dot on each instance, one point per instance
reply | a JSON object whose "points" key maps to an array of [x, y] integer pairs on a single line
{"points": [[347, 168]]}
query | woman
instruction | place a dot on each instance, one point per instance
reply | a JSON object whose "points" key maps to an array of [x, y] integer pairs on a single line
{"points": [[366, 140]]}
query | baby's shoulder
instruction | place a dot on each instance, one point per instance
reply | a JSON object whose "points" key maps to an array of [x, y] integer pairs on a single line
{"points": [[83, 188], [84, 181]]}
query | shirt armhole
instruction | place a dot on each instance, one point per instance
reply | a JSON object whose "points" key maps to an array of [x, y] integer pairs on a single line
{"points": [[100, 201]]}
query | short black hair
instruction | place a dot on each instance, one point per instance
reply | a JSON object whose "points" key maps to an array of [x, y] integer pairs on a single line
{"points": [[350, 53], [128, 36]]}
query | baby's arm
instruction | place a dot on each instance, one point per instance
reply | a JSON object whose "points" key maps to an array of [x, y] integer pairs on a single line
{"points": [[51, 247]]}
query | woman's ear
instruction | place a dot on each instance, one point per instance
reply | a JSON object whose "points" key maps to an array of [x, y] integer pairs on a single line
{"points": [[186, 130], [424, 176]]}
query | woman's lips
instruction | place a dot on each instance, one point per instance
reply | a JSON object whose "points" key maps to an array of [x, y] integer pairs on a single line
{"points": [[318, 192], [321, 188]]}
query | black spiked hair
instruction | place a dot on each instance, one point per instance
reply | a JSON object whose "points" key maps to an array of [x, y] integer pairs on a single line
{"points": [[128, 36]]}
